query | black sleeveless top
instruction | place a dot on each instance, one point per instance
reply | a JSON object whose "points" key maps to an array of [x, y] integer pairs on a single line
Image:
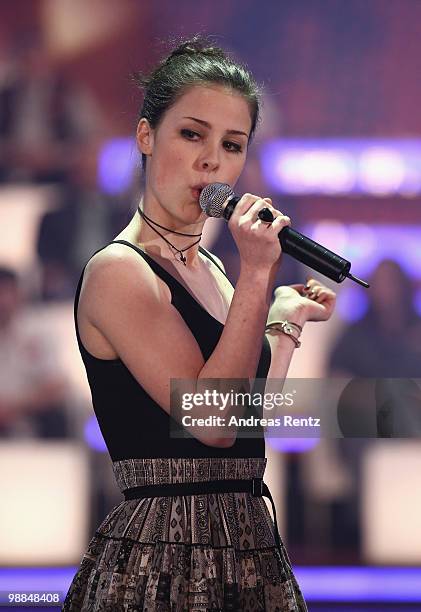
{"points": [[132, 423]]}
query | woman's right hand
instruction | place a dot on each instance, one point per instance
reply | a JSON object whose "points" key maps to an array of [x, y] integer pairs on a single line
{"points": [[257, 241]]}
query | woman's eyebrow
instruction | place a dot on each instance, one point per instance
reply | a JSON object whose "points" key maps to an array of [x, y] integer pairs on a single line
{"points": [[208, 125]]}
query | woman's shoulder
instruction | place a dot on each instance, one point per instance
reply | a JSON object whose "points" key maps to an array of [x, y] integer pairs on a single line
{"points": [[119, 271], [116, 258], [114, 251]]}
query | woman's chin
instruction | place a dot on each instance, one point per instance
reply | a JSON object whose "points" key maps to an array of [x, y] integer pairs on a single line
{"points": [[200, 214]]}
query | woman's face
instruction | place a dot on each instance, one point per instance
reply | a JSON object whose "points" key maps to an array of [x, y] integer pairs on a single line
{"points": [[201, 139]]}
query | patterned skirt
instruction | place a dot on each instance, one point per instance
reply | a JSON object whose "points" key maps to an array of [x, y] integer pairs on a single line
{"points": [[214, 551]]}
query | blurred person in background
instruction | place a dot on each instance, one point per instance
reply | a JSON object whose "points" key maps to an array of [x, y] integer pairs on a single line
{"points": [[152, 306], [45, 117], [32, 386], [384, 344], [84, 219]]}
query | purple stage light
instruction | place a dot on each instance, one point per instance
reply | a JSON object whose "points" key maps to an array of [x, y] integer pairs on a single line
{"points": [[352, 303], [292, 445], [36, 578], [116, 164], [93, 435], [335, 584], [342, 166], [352, 584], [417, 301]]}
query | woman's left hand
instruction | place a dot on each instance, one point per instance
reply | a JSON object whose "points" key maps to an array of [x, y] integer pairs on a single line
{"points": [[314, 301]]}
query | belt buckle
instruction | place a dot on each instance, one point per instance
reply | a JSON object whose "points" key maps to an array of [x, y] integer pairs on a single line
{"points": [[257, 487]]}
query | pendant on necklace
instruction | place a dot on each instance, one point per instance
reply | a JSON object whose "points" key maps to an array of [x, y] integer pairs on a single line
{"points": [[182, 258]]}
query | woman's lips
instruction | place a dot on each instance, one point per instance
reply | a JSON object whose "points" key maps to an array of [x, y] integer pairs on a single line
{"points": [[196, 191]]}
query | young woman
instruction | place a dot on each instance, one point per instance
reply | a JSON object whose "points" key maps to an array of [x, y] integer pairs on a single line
{"points": [[193, 532]]}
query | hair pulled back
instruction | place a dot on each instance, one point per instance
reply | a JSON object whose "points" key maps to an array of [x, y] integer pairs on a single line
{"points": [[194, 62]]}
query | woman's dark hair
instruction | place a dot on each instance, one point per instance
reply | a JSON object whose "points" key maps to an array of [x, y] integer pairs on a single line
{"points": [[194, 62]]}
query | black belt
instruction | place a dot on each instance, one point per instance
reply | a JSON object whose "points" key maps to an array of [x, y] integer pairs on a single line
{"points": [[256, 487]]}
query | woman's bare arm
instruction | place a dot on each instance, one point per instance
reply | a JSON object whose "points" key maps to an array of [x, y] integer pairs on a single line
{"points": [[296, 304]]}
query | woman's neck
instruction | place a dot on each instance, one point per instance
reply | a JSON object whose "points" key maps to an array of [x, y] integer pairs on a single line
{"points": [[153, 238]]}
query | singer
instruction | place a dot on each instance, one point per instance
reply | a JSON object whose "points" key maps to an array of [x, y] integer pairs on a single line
{"points": [[193, 531]]}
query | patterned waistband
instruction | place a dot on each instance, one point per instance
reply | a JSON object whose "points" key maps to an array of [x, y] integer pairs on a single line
{"points": [[142, 472]]}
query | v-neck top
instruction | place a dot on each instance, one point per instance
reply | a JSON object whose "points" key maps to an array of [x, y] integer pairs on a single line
{"points": [[133, 425]]}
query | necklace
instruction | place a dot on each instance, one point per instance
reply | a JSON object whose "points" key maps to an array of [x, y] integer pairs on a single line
{"points": [[180, 252]]}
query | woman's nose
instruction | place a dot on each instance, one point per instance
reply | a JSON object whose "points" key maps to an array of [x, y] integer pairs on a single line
{"points": [[209, 160]]}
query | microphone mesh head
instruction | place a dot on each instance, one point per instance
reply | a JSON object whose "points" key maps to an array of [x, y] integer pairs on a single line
{"points": [[213, 197]]}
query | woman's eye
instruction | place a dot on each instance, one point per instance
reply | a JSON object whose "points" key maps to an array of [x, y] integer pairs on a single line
{"points": [[190, 134], [232, 146]]}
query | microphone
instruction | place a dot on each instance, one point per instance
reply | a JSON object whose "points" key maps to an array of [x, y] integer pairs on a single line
{"points": [[219, 200]]}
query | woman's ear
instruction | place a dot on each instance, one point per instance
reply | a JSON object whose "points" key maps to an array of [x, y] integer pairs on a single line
{"points": [[145, 136]]}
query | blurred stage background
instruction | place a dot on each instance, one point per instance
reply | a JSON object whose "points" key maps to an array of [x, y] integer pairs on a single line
{"points": [[339, 151]]}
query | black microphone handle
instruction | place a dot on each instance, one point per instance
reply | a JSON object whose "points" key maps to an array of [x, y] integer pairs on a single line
{"points": [[304, 249], [313, 254]]}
